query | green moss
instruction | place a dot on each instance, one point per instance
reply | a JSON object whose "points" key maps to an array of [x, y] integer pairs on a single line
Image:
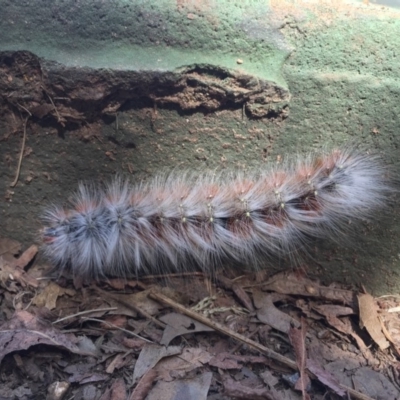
{"points": [[146, 34]]}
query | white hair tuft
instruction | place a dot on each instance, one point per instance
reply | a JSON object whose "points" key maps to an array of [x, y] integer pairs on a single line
{"points": [[181, 221]]}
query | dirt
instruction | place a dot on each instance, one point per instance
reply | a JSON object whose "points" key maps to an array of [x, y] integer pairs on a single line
{"points": [[67, 125]]}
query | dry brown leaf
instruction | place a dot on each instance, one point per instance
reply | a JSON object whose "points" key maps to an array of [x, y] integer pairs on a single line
{"points": [[150, 356], [333, 310], [57, 390], [370, 321], [344, 325], [290, 283], [237, 390], [113, 321], [178, 324], [9, 272], [270, 315], [139, 300], [49, 295], [24, 330], [223, 361], [118, 389], [9, 247], [374, 384], [26, 257], [143, 387], [324, 376], [132, 343], [190, 359], [119, 361], [298, 339], [41, 110], [192, 388], [227, 360]]}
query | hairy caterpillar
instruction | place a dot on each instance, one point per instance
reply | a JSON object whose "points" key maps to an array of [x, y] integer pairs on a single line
{"points": [[179, 221]]}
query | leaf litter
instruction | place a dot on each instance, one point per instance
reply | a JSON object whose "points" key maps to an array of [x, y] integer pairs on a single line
{"points": [[281, 337]]}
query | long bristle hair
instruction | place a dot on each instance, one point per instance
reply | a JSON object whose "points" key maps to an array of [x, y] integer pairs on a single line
{"points": [[178, 222]]}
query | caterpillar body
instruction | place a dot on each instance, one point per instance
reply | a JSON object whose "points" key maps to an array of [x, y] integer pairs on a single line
{"points": [[178, 221]]}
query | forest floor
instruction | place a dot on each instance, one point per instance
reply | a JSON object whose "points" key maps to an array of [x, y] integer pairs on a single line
{"points": [[232, 336], [253, 336]]}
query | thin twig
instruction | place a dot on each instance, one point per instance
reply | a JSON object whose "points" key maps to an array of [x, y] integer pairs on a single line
{"points": [[29, 113], [117, 327], [132, 307], [55, 108], [243, 339], [223, 329], [14, 182], [85, 312]]}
